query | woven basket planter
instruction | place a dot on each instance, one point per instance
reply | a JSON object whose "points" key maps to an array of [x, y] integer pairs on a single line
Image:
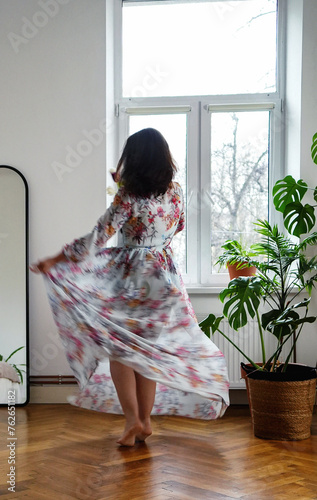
{"points": [[281, 410]]}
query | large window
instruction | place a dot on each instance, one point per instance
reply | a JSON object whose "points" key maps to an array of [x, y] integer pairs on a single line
{"points": [[207, 74]]}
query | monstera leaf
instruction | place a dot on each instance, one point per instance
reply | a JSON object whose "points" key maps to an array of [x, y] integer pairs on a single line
{"points": [[210, 324], [314, 149], [287, 191], [279, 327], [299, 219], [243, 298], [282, 323]]}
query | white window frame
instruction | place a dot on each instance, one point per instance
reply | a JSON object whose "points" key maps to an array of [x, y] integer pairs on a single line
{"points": [[271, 103], [191, 108], [198, 109]]}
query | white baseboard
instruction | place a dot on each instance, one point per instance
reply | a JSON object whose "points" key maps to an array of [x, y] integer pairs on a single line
{"points": [[51, 394], [238, 397]]}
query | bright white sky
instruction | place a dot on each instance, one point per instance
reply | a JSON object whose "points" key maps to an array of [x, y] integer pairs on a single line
{"points": [[200, 48]]}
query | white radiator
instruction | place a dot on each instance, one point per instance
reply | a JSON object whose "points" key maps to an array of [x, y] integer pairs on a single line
{"points": [[248, 340]]}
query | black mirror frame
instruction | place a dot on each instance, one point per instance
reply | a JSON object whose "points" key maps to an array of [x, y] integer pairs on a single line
{"points": [[27, 356]]}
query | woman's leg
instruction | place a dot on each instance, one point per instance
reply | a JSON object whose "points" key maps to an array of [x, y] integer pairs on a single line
{"points": [[125, 383], [145, 390], [136, 395]]}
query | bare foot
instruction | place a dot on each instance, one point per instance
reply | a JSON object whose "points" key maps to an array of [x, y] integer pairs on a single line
{"points": [[129, 434], [146, 431]]}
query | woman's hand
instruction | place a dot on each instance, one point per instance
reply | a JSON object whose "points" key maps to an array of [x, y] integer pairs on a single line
{"points": [[45, 265]]}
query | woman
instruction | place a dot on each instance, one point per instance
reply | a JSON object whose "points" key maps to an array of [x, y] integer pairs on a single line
{"points": [[128, 303]]}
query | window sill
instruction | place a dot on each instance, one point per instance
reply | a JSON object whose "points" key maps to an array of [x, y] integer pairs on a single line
{"points": [[203, 290]]}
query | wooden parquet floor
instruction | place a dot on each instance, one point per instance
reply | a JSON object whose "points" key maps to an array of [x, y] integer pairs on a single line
{"points": [[63, 453]]}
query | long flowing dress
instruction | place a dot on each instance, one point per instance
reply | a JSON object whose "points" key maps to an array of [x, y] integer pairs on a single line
{"points": [[128, 303]]}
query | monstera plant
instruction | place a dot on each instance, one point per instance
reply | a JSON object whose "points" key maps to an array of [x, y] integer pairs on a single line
{"points": [[281, 394], [283, 273]]}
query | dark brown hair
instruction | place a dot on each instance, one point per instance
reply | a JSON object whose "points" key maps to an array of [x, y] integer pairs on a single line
{"points": [[146, 166]]}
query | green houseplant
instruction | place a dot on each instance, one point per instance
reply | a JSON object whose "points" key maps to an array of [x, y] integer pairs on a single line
{"points": [[282, 289], [13, 365], [237, 258], [283, 273]]}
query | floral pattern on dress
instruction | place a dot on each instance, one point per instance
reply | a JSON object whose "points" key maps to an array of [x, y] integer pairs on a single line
{"points": [[129, 303]]}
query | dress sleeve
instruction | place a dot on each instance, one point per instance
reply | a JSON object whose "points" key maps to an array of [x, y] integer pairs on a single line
{"points": [[181, 221], [107, 225]]}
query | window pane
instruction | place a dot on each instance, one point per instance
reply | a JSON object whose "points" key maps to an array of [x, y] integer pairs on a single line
{"points": [[239, 177], [167, 125], [199, 48]]}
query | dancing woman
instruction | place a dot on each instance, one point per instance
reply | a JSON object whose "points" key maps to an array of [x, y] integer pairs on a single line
{"points": [[128, 302]]}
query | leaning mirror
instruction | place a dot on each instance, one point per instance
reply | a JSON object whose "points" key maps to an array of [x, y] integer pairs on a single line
{"points": [[14, 386]]}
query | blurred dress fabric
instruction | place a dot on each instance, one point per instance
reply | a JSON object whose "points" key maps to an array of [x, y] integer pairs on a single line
{"points": [[128, 303]]}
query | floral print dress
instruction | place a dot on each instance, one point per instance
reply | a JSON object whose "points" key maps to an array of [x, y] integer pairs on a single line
{"points": [[128, 303]]}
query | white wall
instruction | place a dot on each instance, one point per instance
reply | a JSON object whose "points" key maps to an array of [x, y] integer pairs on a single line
{"points": [[307, 350], [301, 123], [52, 88]]}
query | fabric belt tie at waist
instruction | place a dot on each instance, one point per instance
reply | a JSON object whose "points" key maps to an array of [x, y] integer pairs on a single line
{"points": [[159, 248]]}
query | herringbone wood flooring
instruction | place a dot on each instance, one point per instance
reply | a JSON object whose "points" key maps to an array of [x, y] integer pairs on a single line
{"points": [[68, 453]]}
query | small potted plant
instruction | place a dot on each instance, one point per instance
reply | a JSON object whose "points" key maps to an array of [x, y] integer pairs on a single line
{"points": [[11, 370], [237, 259]]}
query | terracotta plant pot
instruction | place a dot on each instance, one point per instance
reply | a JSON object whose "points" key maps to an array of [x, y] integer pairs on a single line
{"points": [[245, 271]]}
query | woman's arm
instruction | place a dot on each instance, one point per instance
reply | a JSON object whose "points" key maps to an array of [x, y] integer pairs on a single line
{"points": [[107, 225], [181, 223], [45, 265]]}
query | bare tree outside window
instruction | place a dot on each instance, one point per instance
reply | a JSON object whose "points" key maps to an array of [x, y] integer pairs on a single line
{"points": [[239, 176]]}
